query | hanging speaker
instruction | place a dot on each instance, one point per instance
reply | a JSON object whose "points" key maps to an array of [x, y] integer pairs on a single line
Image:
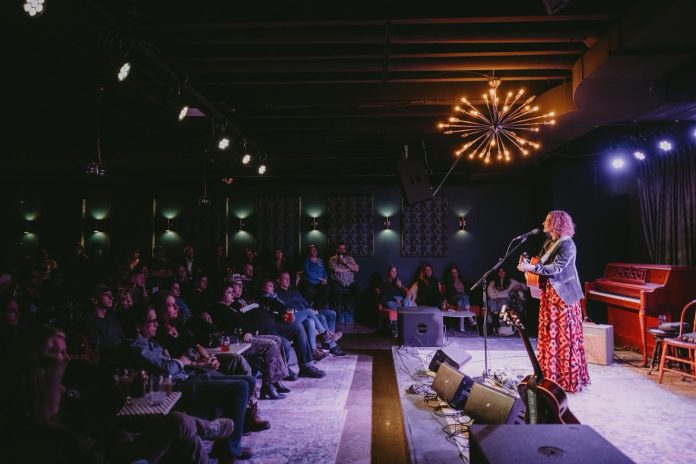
{"points": [[452, 385], [414, 181], [493, 406]]}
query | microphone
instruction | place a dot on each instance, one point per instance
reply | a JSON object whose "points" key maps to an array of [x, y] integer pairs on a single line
{"points": [[531, 232]]}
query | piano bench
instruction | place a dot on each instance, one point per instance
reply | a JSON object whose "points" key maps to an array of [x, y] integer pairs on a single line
{"points": [[660, 335]]}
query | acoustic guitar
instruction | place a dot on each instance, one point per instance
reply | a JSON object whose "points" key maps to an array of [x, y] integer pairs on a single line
{"points": [[533, 280], [549, 400]]}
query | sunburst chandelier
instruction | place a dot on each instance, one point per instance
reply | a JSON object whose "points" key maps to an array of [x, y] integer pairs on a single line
{"points": [[500, 128]]}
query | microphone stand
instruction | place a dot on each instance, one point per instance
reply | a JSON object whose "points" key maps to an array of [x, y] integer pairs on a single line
{"points": [[484, 306]]}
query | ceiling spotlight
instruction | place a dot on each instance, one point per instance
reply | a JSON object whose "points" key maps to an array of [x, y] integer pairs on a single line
{"points": [[95, 168], [183, 112], [262, 169], [639, 155], [665, 145], [223, 143], [33, 7], [246, 159], [204, 200], [618, 163], [123, 71]]}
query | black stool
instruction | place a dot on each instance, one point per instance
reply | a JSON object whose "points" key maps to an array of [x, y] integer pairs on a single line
{"points": [[666, 330]]}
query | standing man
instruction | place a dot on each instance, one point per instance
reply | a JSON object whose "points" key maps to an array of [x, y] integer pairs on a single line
{"points": [[342, 269]]}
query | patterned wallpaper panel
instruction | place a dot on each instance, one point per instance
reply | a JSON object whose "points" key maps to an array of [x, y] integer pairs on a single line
{"points": [[424, 228], [350, 220], [277, 221]]}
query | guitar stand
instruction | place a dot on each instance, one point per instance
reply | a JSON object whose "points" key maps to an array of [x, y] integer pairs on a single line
{"points": [[484, 306]]}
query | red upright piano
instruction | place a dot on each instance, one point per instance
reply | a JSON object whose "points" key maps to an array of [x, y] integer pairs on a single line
{"points": [[636, 294]]}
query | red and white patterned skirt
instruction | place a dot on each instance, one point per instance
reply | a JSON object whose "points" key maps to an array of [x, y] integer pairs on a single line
{"points": [[561, 350]]}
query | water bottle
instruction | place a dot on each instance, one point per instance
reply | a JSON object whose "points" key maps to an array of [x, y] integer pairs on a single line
{"points": [[661, 319], [167, 385]]}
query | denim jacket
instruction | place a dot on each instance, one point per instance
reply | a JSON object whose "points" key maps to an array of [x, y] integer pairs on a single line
{"points": [[561, 272], [157, 359]]}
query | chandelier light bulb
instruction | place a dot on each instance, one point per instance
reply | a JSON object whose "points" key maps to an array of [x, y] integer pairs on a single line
{"points": [[246, 159], [639, 155], [665, 145], [262, 169]]}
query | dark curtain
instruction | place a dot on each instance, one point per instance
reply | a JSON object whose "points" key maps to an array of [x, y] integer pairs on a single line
{"points": [[667, 190]]}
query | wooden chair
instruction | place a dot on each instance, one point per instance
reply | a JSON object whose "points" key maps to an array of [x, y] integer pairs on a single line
{"points": [[682, 349]]}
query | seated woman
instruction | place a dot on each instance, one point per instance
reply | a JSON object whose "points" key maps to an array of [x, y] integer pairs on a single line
{"points": [[315, 279], [499, 291], [428, 293], [456, 291], [266, 351], [392, 291]]}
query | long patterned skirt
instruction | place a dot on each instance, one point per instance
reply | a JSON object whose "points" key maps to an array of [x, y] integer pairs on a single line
{"points": [[269, 359], [561, 350]]}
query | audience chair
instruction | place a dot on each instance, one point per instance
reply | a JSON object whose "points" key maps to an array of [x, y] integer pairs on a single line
{"points": [[682, 349]]}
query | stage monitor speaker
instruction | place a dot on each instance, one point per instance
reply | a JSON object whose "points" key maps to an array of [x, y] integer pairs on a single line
{"points": [[414, 181], [493, 406], [452, 355], [421, 328], [452, 385], [540, 443]]}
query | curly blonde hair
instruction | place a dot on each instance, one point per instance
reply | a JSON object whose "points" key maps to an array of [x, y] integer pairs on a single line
{"points": [[561, 223]]}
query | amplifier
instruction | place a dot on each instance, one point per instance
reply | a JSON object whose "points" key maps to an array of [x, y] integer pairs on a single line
{"points": [[599, 343]]}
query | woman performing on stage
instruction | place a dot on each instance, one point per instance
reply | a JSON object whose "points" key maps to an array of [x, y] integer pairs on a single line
{"points": [[561, 350]]}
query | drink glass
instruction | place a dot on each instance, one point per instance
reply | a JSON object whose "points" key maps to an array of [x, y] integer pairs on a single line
{"points": [[225, 344], [156, 393]]}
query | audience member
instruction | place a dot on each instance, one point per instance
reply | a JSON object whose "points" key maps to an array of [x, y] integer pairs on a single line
{"points": [[342, 269]]}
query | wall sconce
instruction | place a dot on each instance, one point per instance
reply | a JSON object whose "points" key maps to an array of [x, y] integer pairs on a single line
{"points": [[242, 225], [314, 223], [387, 223], [96, 228], [29, 227], [462, 223], [170, 225]]}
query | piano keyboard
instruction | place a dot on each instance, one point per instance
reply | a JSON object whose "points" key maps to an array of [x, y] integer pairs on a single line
{"points": [[615, 296]]}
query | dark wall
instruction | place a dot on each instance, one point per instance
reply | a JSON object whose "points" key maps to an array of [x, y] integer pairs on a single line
{"points": [[603, 205]]}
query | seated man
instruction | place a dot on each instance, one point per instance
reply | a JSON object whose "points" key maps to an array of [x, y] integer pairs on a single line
{"points": [[90, 410], [269, 320], [206, 393], [316, 321], [103, 328]]}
